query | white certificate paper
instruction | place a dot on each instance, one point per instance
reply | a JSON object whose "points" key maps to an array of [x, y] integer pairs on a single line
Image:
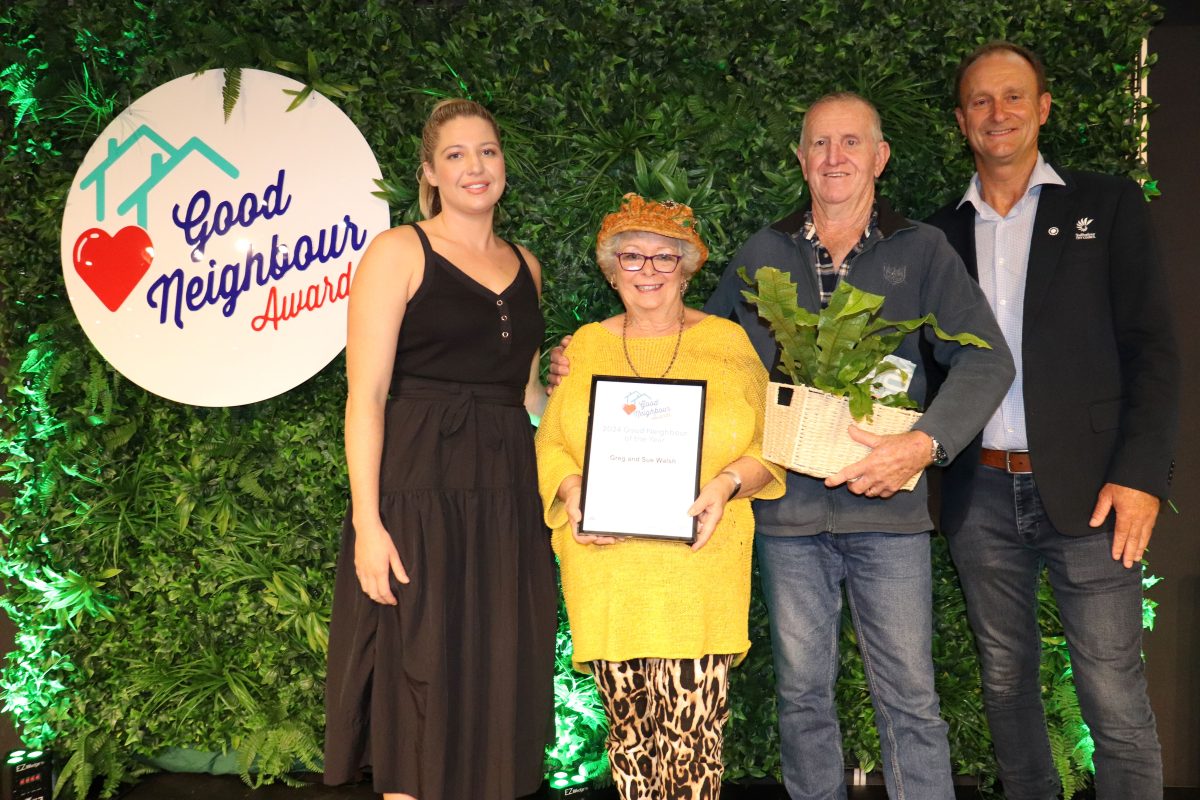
{"points": [[641, 469]]}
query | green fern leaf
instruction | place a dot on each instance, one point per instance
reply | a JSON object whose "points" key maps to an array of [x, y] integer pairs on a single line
{"points": [[231, 89]]}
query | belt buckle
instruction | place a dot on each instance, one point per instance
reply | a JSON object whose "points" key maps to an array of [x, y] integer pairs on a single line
{"points": [[1008, 454]]}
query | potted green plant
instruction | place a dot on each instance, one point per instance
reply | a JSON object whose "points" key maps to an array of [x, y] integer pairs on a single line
{"points": [[842, 368]]}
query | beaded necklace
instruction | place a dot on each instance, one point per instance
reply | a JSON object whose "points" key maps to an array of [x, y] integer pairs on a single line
{"points": [[674, 353]]}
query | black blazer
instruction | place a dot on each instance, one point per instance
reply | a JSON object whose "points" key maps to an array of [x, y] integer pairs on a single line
{"points": [[1101, 369]]}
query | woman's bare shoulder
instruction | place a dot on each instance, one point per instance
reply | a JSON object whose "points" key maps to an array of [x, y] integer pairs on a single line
{"points": [[392, 265]]}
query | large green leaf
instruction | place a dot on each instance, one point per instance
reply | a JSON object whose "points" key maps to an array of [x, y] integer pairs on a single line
{"points": [[849, 348], [908, 326], [794, 328]]}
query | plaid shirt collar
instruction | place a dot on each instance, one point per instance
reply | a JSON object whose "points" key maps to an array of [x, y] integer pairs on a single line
{"points": [[829, 275]]}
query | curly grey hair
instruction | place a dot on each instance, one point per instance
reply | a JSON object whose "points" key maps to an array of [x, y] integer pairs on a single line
{"points": [[606, 253]]}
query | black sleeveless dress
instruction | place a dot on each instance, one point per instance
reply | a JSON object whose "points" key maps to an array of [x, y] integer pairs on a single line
{"points": [[449, 695]]}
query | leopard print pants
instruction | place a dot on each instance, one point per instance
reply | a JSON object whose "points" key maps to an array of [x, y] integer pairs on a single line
{"points": [[665, 720]]}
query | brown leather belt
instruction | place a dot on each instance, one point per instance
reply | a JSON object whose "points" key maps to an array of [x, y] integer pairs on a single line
{"points": [[1014, 461]]}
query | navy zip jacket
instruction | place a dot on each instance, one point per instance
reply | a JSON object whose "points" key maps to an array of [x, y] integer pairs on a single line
{"points": [[916, 270]]}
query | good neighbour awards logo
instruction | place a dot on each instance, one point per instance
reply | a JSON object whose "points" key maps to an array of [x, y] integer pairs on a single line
{"points": [[210, 261], [642, 406]]}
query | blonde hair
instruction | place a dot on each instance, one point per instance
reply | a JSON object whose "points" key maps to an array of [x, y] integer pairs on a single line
{"points": [[443, 112]]}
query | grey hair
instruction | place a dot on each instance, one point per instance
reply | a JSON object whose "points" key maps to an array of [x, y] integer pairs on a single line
{"points": [[842, 97], [606, 253]]}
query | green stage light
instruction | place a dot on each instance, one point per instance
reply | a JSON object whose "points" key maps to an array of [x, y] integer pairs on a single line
{"points": [[578, 785], [580, 725], [28, 775]]}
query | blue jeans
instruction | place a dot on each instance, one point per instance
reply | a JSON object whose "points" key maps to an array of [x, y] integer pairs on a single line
{"points": [[888, 583], [1005, 540]]}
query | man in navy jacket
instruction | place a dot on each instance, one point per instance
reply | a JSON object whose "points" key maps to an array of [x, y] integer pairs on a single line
{"points": [[1071, 468]]}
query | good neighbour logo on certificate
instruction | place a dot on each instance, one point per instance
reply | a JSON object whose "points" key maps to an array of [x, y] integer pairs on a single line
{"points": [[209, 260], [640, 405]]}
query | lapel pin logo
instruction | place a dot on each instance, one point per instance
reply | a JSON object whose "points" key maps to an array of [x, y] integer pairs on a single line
{"points": [[1082, 227], [1053, 231]]}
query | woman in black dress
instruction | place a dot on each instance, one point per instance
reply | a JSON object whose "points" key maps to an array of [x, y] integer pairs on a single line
{"points": [[441, 644]]}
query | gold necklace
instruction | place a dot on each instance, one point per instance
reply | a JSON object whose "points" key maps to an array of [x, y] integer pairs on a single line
{"points": [[674, 354]]}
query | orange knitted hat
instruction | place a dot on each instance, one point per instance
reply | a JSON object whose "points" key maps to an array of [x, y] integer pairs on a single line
{"points": [[671, 219]]}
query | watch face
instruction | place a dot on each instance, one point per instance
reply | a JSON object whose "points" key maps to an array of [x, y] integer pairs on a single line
{"points": [[939, 456]]}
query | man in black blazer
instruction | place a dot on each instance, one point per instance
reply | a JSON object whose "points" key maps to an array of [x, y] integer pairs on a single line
{"points": [[1069, 472]]}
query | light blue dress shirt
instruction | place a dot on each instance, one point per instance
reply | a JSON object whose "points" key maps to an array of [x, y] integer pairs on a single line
{"points": [[1002, 259]]}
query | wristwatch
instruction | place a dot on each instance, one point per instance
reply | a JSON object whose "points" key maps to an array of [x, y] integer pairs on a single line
{"points": [[938, 453]]}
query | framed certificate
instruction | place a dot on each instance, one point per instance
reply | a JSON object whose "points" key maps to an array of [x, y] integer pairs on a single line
{"points": [[641, 466]]}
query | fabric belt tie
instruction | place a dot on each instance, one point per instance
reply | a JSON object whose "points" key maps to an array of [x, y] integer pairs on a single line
{"points": [[460, 400], [1015, 462]]}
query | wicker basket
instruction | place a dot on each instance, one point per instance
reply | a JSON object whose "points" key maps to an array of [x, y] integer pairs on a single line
{"points": [[805, 430]]}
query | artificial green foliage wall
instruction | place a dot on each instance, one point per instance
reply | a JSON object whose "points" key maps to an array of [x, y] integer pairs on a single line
{"points": [[170, 568]]}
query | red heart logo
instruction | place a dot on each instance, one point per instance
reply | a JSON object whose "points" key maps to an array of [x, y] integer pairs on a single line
{"points": [[112, 265], [629, 408]]}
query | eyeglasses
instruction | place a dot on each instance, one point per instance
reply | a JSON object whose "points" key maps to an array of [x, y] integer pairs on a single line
{"points": [[662, 262]]}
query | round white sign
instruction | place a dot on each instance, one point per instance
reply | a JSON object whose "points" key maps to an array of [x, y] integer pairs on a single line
{"points": [[210, 261]]}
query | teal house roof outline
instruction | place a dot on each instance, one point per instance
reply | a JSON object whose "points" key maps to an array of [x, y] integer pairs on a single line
{"points": [[159, 168]]}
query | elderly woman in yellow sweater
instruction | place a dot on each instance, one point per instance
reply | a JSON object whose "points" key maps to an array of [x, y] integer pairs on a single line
{"points": [[659, 623]]}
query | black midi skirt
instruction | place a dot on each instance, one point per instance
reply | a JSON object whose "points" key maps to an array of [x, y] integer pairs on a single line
{"points": [[449, 694]]}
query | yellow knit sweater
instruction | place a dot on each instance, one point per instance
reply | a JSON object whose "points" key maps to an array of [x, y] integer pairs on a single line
{"points": [[649, 598]]}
